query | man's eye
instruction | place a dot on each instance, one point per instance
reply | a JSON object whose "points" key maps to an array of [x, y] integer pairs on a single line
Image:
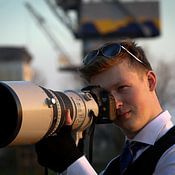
{"points": [[123, 87]]}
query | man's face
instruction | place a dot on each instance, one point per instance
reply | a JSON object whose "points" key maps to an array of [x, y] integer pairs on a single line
{"points": [[132, 95]]}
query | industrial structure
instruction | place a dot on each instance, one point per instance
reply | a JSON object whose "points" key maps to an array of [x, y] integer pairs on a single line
{"points": [[96, 22]]}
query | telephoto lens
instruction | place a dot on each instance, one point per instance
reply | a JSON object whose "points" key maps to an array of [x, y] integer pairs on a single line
{"points": [[30, 112]]}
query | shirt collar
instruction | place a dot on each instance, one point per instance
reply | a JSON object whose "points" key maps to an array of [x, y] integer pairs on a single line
{"points": [[155, 129]]}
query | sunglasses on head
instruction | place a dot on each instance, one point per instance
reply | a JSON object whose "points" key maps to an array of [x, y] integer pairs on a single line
{"points": [[108, 51]]}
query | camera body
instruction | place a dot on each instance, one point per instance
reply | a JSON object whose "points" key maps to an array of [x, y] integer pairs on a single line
{"points": [[30, 112]]}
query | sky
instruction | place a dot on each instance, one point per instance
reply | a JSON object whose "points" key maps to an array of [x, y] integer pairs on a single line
{"points": [[19, 28]]}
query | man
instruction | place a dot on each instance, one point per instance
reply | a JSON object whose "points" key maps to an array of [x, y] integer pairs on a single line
{"points": [[123, 70]]}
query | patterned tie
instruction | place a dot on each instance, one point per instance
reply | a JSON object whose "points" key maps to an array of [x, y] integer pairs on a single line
{"points": [[128, 154]]}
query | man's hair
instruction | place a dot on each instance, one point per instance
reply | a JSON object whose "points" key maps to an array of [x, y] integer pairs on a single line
{"points": [[101, 64]]}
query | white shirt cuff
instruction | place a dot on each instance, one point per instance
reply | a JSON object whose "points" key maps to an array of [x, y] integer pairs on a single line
{"points": [[79, 167]]}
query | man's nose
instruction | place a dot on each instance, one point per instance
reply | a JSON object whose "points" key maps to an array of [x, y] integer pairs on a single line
{"points": [[118, 100]]}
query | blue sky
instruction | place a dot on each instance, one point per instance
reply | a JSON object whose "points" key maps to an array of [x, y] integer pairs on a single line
{"points": [[18, 28]]}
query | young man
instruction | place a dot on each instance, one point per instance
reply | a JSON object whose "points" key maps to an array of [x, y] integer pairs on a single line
{"points": [[124, 71]]}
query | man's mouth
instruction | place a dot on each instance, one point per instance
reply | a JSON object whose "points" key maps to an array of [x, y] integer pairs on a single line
{"points": [[124, 114]]}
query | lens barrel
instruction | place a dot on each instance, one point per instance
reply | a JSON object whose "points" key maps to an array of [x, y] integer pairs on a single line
{"points": [[30, 112]]}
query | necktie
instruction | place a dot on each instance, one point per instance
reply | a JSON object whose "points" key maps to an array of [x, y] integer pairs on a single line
{"points": [[128, 154]]}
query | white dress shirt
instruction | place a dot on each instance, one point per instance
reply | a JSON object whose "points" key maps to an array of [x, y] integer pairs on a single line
{"points": [[149, 134]]}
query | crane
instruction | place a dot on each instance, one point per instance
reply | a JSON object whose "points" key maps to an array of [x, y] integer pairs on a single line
{"points": [[64, 59]]}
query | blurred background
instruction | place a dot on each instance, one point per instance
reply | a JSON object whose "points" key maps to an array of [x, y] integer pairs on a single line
{"points": [[44, 41]]}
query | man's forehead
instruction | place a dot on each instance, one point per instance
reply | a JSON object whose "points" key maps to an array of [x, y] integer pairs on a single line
{"points": [[113, 75]]}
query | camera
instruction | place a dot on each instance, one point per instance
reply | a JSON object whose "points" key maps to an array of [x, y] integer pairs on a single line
{"points": [[30, 112]]}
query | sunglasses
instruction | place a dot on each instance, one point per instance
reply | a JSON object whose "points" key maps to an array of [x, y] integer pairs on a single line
{"points": [[108, 51]]}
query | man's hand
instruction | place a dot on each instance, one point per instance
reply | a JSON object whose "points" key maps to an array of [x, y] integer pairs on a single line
{"points": [[59, 151]]}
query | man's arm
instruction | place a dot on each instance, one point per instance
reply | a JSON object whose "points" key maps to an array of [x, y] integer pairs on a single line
{"points": [[60, 153]]}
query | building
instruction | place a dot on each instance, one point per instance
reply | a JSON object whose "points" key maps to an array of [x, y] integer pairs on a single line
{"points": [[15, 64]]}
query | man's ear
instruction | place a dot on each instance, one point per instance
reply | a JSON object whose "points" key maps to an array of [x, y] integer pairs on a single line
{"points": [[152, 80]]}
